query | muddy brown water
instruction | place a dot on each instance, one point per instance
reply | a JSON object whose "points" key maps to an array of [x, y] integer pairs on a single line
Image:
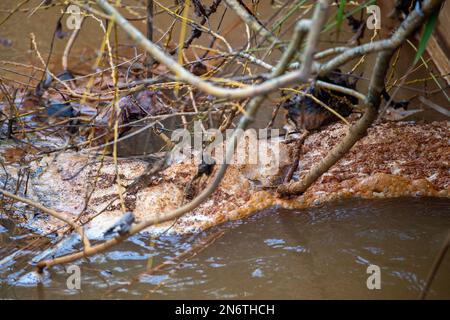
{"points": [[316, 253]]}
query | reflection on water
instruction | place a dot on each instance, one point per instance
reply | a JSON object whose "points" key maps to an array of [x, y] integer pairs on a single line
{"points": [[316, 253]]}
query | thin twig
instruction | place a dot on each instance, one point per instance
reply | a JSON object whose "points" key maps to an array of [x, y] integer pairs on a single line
{"points": [[69, 45], [58, 215], [356, 132], [252, 109], [437, 262], [250, 20]]}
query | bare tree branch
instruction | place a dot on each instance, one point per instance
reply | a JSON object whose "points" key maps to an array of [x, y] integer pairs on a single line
{"points": [[251, 111], [356, 132], [58, 215], [407, 27], [359, 129], [250, 20]]}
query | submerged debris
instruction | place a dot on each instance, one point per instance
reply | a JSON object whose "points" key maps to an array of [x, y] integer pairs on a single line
{"points": [[132, 107]]}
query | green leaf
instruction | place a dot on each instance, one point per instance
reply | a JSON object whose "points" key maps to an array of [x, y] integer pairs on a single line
{"points": [[358, 8], [428, 31], [340, 16]]}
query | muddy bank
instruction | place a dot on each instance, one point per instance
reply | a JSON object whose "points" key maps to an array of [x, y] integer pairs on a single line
{"points": [[393, 160]]}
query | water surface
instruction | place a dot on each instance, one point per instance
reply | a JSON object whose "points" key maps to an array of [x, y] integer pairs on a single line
{"points": [[276, 254]]}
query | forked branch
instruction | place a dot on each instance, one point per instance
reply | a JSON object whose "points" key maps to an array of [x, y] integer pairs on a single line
{"points": [[303, 26]]}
